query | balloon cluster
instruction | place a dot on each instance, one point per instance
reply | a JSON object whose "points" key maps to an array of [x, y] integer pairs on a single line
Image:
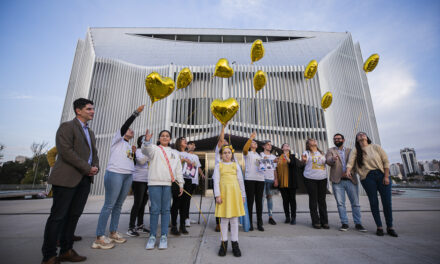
{"points": [[159, 87]]}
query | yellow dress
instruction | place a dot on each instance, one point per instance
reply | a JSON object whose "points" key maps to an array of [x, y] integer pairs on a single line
{"points": [[232, 201]]}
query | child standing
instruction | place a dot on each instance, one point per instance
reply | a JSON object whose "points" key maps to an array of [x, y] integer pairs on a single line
{"points": [[229, 196]]}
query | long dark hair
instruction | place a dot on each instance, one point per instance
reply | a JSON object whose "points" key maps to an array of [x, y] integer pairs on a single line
{"points": [[282, 152], [178, 144], [308, 145], [360, 152], [139, 141], [164, 131]]}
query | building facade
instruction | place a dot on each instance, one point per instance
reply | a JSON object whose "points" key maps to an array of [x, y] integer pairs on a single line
{"points": [[409, 161], [395, 170], [111, 64]]}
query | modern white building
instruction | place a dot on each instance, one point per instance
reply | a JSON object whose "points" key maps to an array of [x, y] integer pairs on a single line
{"points": [[111, 64], [409, 161]]}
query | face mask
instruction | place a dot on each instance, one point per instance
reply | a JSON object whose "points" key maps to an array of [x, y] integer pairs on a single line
{"points": [[338, 144]]}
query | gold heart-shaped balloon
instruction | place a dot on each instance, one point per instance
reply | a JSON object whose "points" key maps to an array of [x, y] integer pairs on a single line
{"points": [[184, 78], [326, 100], [311, 69], [371, 63], [224, 110], [260, 80], [158, 87], [257, 50], [222, 69]]}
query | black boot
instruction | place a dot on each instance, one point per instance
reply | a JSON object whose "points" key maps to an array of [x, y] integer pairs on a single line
{"points": [[174, 231], [235, 249], [183, 230], [223, 248]]}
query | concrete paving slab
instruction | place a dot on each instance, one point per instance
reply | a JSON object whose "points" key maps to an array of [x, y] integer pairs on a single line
{"points": [[415, 216]]}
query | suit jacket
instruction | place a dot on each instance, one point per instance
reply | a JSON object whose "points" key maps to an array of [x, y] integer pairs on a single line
{"points": [[336, 167], [73, 155]]}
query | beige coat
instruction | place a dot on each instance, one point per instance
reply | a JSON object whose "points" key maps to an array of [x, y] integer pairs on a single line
{"points": [[336, 166], [73, 155]]}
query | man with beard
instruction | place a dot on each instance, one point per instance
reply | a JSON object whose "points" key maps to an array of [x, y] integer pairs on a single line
{"points": [[343, 182]]}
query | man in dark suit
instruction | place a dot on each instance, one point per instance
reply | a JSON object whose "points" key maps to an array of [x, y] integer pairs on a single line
{"points": [[71, 177], [343, 182]]}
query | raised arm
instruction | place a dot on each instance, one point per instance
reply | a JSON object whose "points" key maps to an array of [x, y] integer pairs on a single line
{"points": [[130, 120], [221, 138], [248, 143], [147, 146]]}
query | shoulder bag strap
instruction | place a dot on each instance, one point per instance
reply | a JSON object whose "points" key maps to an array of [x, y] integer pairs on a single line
{"points": [[168, 163]]}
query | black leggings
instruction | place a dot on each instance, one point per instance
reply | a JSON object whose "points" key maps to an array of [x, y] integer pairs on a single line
{"points": [[189, 187], [317, 190], [140, 193], [289, 202], [254, 191], [178, 206]]}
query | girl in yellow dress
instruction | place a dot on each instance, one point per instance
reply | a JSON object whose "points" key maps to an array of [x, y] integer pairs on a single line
{"points": [[229, 197]]}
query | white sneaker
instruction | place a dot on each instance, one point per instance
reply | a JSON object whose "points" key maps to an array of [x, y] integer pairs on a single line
{"points": [[163, 244], [187, 222], [151, 243], [103, 243], [193, 221], [117, 238]]}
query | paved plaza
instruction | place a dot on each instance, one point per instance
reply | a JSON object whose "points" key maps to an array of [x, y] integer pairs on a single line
{"points": [[416, 218]]}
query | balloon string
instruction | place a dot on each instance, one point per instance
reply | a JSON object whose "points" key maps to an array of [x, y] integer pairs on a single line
{"points": [[357, 123], [200, 211]]}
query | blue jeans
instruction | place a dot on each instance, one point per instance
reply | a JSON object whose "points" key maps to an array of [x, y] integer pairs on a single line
{"points": [[268, 189], [352, 190], [372, 184], [116, 187], [160, 197]]}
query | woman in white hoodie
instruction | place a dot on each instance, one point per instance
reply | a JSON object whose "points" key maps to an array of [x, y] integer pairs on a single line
{"points": [[165, 170]]}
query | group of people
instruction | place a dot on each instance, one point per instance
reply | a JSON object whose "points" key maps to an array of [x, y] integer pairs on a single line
{"points": [[159, 173]]}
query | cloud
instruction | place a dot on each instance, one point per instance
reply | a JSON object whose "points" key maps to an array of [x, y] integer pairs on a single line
{"points": [[236, 9], [21, 97], [392, 85]]}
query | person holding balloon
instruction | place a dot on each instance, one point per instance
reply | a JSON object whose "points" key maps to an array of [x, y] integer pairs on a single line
{"points": [[117, 182], [254, 181], [230, 196]]}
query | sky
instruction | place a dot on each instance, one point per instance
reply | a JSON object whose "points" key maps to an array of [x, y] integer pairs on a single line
{"points": [[38, 42]]}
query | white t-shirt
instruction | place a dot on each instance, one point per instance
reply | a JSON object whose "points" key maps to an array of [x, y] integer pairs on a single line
{"points": [[315, 166], [252, 162], [121, 156], [267, 166], [140, 173], [190, 171]]}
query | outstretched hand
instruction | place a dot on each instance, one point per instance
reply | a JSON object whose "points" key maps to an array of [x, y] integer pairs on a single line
{"points": [[253, 135], [303, 157], [140, 108], [148, 136]]}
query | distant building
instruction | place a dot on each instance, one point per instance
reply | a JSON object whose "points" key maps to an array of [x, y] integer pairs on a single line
{"points": [[395, 170], [420, 165], [409, 161], [430, 167], [20, 159]]}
